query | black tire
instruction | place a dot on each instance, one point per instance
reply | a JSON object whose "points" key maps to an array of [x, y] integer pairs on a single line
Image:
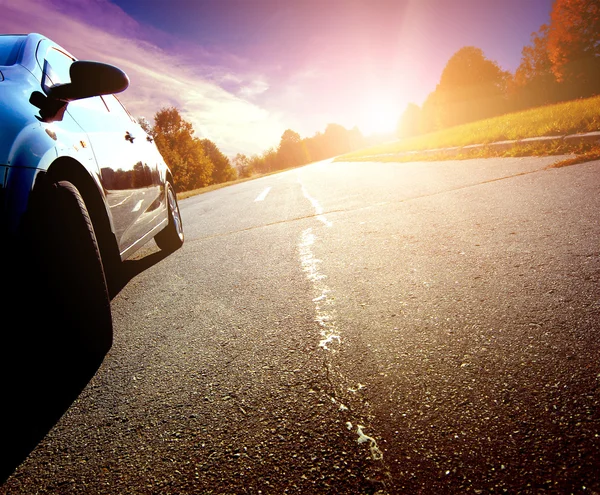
{"points": [[171, 237], [58, 325], [75, 272]]}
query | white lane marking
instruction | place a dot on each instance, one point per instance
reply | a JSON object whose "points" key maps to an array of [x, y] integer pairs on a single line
{"points": [[324, 311], [318, 208], [262, 195], [138, 205]]}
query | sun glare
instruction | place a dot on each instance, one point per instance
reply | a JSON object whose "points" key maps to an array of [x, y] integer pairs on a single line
{"points": [[379, 118]]}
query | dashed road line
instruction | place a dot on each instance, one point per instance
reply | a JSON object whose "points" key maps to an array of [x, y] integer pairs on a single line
{"points": [[262, 195]]}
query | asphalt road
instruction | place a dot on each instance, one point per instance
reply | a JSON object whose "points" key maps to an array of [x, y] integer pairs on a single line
{"points": [[353, 328]]}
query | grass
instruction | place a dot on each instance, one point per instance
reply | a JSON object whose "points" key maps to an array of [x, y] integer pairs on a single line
{"points": [[588, 156], [580, 151], [573, 117]]}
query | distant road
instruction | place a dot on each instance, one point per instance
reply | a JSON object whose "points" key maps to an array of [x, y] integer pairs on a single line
{"points": [[354, 328]]}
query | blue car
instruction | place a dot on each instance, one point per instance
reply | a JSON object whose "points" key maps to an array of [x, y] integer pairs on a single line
{"points": [[82, 185]]}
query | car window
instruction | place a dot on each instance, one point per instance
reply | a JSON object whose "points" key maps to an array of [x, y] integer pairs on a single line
{"points": [[9, 49], [56, 68], [115, 107], [95, 103]]}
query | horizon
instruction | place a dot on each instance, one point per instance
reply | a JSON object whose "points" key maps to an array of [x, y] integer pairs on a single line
{"points": [[244, 72]]}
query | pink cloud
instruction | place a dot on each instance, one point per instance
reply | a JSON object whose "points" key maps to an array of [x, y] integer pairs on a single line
{"points": [[158, 79]]}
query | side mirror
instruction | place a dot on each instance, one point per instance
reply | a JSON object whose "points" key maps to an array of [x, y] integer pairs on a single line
{"points": [[90, 79]]}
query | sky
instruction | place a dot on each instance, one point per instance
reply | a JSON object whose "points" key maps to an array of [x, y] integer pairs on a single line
{"points": [[244, 71]]}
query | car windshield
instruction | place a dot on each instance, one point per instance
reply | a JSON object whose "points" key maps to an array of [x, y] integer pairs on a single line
{"points": [[9, 48]]}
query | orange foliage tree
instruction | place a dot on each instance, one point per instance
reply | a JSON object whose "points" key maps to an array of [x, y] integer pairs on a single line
{"points": [[534, 82], [471, 87], [222, 169], [574, 44], [183, 153]]}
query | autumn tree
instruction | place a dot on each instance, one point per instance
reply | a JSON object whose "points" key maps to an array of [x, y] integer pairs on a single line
{"points": [[181, 150], [534, 82], [222, 171], [471, 87], [574, 44]]}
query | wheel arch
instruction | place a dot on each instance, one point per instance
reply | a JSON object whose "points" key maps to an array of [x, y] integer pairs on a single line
{"points": [[169, 177], [66, 168]]}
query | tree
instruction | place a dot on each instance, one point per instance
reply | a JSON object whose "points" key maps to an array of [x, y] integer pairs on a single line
{"points": [[337, 140], [270, 160], [243, 165], [410, 121], [292, 150], [471, 88], [264, 163], [144, 124], [468, 68], [430, 113], [183, 153], [534, 82], [574, 44], [222, 171]]}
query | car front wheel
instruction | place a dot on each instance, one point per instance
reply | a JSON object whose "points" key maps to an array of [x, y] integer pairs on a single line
{"points": [[171, 237], [75, 273]]}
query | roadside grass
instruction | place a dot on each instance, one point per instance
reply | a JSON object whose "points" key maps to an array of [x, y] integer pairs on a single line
{"points": [[573, 117], [588, 156], [580, 152]]}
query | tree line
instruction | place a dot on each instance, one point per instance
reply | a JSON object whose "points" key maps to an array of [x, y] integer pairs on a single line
{"points": [[196, 163], [562, 62], [294, 151]]}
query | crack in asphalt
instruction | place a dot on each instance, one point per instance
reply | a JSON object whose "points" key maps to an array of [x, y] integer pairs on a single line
{"points": [[325, 317]]}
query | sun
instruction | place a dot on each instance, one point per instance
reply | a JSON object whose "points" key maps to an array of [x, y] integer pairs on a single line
{"points": [[378, 118]]}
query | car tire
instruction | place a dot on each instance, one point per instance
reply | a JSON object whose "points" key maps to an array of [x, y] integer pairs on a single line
{"points": [[171, 237], [75, 272]]}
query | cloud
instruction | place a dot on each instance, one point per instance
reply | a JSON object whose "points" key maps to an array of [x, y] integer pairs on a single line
{"points": [[158, 78], [254, 88]]}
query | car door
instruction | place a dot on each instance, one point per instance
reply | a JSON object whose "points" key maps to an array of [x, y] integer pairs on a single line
{"points": [[127, 171], [133, 188]]}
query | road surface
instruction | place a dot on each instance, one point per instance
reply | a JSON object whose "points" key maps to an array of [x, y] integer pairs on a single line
{"points": [[353, 328]]}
